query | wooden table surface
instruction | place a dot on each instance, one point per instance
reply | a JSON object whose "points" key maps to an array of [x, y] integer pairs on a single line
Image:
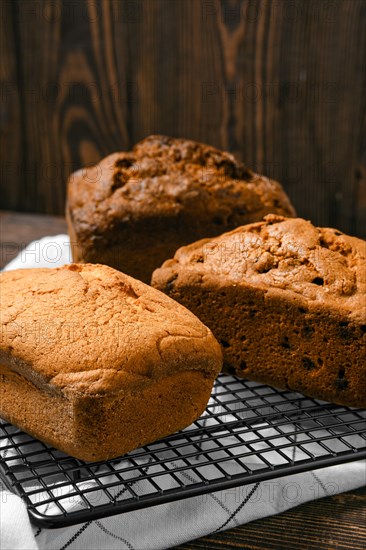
{"points": [[337, 522]]}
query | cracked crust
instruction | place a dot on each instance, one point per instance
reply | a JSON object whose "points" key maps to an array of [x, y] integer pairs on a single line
{"points": [[134, 209], [86, 339], [287, 301]]}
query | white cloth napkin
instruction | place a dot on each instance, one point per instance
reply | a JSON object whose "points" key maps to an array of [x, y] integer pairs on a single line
{"points": [[171, 524]]}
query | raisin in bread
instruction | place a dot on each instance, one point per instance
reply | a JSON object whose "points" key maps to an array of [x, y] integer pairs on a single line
{"points": [[285, 299]]}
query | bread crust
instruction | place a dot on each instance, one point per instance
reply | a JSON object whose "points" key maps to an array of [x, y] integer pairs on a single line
{"points": [[287, 301], [134, 209], [97, 363]]}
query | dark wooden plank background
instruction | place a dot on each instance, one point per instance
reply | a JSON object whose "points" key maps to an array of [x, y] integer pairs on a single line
{"points": [[281, 83]]}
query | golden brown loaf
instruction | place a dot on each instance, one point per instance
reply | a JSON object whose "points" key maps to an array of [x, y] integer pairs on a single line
{"points": [[287, 301], [134, 209], [96, 363]]}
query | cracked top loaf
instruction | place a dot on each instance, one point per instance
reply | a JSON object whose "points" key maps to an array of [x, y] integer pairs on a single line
{"points": [[134, 209], [96, 363], [286, 300]]}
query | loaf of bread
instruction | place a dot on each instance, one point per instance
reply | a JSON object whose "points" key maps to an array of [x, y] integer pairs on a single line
{"points": [[285, 299], [96, 363], [134, 209]]}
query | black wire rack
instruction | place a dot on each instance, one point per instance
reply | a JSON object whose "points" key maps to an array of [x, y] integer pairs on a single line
{"points": [[249, 433]]}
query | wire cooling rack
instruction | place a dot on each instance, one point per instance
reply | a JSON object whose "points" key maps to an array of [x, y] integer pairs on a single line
{"points": [[249, 433]]}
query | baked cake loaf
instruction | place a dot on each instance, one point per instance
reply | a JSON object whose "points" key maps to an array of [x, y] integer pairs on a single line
{"points": [[287, 302], [96, 363], [134, 209]]}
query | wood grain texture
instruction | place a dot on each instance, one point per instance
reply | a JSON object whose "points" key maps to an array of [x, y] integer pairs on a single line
{"points": [[11, 115], [279, 83], [333, 523]]}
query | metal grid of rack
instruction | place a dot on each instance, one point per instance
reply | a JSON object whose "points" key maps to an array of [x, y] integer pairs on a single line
{"points": [[250, 432]]}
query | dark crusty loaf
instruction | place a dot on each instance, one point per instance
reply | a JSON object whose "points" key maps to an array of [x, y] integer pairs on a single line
{"points": [[96, 363], [285, 299], [134, 209]]}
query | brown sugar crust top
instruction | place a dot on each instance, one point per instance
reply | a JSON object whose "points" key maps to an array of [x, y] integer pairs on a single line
{"points": [[89, 328], [284, 256], [163, 177]]}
